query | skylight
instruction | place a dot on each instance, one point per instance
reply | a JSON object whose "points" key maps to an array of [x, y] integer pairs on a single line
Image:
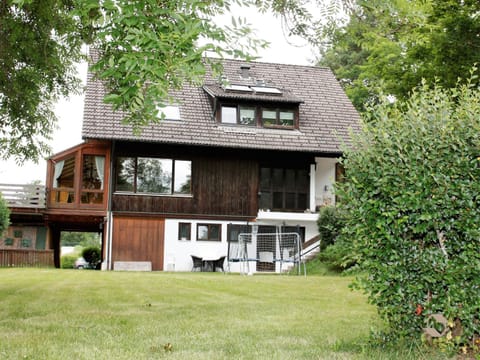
{"points": [[170, 112], [242, 88], [266, 90]]}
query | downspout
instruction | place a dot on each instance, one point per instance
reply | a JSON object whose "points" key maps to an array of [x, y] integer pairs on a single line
{"points": [[109, 209]]}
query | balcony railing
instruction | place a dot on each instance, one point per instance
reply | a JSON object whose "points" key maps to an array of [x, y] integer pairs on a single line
{"points": [[23, 196]]}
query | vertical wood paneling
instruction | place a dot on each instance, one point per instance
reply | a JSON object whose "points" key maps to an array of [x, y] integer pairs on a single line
{"points": [[138, 239]]}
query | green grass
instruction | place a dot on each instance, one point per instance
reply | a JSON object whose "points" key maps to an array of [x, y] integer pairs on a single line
{"points": [[72, 314]]}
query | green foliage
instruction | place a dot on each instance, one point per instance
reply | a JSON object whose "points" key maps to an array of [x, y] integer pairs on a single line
{"points": [[92, 255], [40, 41], [390, 46], [412, 200], [67, 261], [145, 50], [330, 223], [84, 239], [4, 215]]}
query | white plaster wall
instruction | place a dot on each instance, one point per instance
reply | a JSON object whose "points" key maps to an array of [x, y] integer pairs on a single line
{"points": [[177, 256], [325, 178]]}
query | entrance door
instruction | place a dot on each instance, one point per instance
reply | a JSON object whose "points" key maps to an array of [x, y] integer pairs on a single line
{"points": [[138, 239]]}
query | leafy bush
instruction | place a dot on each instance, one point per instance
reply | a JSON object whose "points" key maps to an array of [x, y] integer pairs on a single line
{"points": [[67, 261], [4, 215], [412, 199], [330, 223], [92, 255]]}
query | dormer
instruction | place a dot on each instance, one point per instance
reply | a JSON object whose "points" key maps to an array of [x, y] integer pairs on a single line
{"points": [[253, 102]]}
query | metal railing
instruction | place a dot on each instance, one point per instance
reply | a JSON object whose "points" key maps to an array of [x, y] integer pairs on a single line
{"points": [[23, 196]]}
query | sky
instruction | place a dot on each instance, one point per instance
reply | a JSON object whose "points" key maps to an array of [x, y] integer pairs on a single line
{"points": [[70, 111]]}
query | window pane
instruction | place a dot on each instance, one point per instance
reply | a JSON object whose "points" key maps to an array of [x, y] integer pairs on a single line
{"points": [[290, 201], [290, 178], [184, 231], [90, 172], [302, 201], [183, 176], [64, 173], [277, 200], [265, 179], [269, 117], [215, 232], [125, 174], [277, 178], [229, 115], [286, 118], [265, 201], [202, 232], [154, 176], [247, 116]]}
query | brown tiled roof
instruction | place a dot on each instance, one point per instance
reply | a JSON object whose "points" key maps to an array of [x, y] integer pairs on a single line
{"points": [[326, 114]]}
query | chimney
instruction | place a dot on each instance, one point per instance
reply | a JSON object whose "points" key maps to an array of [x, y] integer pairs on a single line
{"points": [[245, 72]]}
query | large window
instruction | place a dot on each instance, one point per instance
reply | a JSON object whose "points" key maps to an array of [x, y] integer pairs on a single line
{"points": [[253, 115], [284, 189], [209, 232], [153, 175]]}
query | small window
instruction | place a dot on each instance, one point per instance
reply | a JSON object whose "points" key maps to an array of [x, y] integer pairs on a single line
{"points": [[25, 243], [247, 116], [209, 232], [169, 112], [229, 115], [184, 231], [233, 230], [8, 242]]}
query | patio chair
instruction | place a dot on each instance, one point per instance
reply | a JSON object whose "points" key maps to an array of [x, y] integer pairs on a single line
{"points": [[218, 264], [197, 263]]}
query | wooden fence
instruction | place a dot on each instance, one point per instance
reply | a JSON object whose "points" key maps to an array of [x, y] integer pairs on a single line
{"points": [[23, 196], [26, 258]]}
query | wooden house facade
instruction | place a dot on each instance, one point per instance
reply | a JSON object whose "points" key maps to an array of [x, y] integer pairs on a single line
{"points": [[258, 147]]}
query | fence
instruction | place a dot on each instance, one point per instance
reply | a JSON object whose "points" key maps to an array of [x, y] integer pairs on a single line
{"points": [[26, 258], [23, 196]]}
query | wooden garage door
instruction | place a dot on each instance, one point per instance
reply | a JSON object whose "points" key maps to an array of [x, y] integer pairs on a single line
{"points": [[138, 239]]}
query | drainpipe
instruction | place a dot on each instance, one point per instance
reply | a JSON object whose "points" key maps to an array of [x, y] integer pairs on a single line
{"points": [[109, 209]]}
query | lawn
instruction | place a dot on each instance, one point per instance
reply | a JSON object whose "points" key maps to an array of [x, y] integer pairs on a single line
{"points": [[80, 314]]}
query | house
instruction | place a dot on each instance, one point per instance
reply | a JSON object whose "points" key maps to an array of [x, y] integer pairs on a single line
{"points": [[260, 147]]}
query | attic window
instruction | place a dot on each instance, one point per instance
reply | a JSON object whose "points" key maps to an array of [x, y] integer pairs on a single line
{"points": [[241, 115], [169, 112]]}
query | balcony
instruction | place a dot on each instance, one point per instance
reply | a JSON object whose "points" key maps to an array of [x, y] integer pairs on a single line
{"points": [[23, 196]]}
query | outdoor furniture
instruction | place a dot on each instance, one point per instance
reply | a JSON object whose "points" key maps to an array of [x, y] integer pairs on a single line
{"points": [[197, 263], [218, 264], [212, 263]]}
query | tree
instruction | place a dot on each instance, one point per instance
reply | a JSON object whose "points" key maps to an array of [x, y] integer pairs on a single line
{"points": [[145, 49], [390, 46], [4, 215], [412, 205]]}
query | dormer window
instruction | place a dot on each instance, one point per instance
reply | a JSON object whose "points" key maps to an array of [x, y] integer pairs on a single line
{"points": [[250, 115], [278, 118]]}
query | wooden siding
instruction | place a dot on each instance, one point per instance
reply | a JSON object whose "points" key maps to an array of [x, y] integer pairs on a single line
{"points": [[26, 258], [219, 187], [138, 239]]}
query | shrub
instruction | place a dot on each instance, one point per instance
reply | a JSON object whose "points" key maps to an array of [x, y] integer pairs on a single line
{"points": [[330, 224], [92, 255], [4, 215], [412, 199], [67, 261]]}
